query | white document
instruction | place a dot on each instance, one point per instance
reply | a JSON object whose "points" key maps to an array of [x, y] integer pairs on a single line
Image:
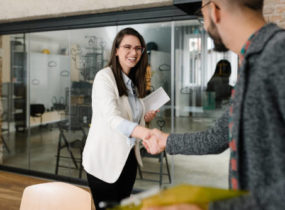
{"points": [[155, 100]]}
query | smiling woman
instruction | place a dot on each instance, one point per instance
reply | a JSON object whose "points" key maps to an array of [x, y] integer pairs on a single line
{"points": [[118, 119]]}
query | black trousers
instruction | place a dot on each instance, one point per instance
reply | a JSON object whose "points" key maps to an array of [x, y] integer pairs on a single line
{"points": [[115, 192]]}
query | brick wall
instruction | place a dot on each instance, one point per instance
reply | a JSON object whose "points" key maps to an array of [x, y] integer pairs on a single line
{"points": [[1, 144], [274, 11]]}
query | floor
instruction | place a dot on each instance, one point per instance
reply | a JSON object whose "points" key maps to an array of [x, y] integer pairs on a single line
{"points": [[39, 153]]}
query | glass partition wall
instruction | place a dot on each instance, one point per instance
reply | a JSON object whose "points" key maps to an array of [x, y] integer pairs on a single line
{"points": [[199, 99], [46, 98]]}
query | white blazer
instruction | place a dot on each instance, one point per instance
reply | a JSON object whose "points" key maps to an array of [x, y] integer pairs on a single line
{"points": [[106, 149]]}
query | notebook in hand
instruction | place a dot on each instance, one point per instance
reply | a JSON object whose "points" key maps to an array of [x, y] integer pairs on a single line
{"points": [[155, 100]]}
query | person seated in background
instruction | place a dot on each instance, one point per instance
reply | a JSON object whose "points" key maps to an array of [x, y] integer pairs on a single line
{"points": [[219, 83]]}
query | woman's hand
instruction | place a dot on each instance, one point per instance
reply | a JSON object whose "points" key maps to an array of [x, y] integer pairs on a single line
{"points": [[141, 132], [149, 116]]}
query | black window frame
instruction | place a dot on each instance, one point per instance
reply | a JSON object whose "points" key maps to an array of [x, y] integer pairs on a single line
{"points": [[136, 16]]}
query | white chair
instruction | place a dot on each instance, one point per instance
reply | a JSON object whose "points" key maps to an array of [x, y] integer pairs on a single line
{"points": [[55, 196]]}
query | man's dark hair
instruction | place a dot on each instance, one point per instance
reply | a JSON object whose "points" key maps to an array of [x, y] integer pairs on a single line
{"points": [[256, 5]]}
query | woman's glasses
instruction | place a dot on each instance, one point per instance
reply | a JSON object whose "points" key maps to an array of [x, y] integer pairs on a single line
{"points": [[128, 48]]}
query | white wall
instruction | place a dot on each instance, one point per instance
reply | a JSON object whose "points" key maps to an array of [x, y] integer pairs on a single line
{"points": [[34, 9], [47, 84]]}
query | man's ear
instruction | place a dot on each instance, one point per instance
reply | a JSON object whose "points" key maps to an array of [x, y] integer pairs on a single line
{"points": [[215, 12]]}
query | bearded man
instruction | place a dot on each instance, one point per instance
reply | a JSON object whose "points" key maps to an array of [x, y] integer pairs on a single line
{"points": [[254, 126]]}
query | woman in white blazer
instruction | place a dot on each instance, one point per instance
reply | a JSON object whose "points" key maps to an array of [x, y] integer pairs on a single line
{"points": [[118, 118]]}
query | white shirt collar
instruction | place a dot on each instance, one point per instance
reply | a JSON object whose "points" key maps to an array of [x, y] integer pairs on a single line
{"points": [[127, 80]]}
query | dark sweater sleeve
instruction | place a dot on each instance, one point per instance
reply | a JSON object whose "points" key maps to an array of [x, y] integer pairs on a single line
{"points": [[270, 197], [271, 193], [212, 141]]}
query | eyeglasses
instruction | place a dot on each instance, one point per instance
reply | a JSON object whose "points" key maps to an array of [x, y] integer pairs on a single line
{"points": [[199, 11], [128, 48]]}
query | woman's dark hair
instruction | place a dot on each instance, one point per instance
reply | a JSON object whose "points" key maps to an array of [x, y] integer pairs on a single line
{"points": [[137, 73], [223, 69]]}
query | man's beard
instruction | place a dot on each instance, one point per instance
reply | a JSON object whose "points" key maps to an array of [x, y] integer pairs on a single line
{"points": [[219, 46]]}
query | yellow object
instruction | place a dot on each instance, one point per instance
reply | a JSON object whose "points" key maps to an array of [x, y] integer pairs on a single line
{"points": [[190, 194], [148, 78], [45, 51], [201, 196], [77, 99]]}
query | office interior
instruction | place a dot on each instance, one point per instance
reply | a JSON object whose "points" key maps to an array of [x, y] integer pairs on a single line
{"points": [[46, 99], [46, 72]]}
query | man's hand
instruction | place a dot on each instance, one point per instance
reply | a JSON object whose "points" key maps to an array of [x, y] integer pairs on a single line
{"points": [[155, 142], [177, 207]]}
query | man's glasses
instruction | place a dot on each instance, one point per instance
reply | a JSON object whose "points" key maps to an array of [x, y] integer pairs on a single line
{"points": [[198, 13], [128, 48]]}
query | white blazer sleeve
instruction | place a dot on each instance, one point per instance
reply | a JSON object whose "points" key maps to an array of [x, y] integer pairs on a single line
{"points": [[105, 97]]}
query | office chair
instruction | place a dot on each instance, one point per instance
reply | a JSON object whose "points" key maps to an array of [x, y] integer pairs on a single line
{"points": [[63, 142], [160, 156], [37, 110], [4, 116], [55, 195], [4, 141]]}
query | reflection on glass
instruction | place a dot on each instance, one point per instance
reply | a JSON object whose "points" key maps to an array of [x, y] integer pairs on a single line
{"points": [[46, 97], [197, 108], [14, 83], [48, 134], [49, 78]]}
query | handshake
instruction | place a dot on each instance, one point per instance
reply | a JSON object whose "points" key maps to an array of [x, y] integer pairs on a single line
{"points": [[154, 140]]}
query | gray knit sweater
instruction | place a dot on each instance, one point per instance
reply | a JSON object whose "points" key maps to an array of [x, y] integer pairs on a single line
{"points": [[259, 126]]}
